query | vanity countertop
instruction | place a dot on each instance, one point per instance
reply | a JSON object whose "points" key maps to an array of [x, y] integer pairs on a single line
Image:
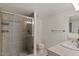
{"points": [[62, 51]]}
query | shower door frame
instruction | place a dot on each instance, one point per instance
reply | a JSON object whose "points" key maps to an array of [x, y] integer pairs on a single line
{"points": [[1, 34]]}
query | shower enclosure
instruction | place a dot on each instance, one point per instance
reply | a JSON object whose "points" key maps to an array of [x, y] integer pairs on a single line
{"points": [[16, 34]]}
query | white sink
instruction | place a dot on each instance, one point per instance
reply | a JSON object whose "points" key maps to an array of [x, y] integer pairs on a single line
{"points": [[70, 45]]}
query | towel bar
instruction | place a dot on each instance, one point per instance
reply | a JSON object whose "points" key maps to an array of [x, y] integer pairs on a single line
{"points": [[57, 30]]}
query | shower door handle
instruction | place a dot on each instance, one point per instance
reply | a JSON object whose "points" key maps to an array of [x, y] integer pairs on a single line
{"points": [[4, 31], [3, 23]]}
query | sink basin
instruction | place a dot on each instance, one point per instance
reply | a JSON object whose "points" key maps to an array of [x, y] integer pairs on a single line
{"points": [[70, 45]]}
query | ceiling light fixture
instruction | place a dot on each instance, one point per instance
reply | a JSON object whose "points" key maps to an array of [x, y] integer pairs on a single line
{"points": [[76, 4]]}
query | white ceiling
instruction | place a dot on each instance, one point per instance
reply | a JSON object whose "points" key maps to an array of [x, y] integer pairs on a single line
{"points": [[18, 8], [43, 9]]}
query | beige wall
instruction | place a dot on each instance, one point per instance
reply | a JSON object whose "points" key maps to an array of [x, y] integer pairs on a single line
{"points": [[38, 30], [57, 22]]}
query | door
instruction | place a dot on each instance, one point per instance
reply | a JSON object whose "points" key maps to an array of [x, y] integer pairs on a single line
{"points": [[0, 35], [12, 35]]}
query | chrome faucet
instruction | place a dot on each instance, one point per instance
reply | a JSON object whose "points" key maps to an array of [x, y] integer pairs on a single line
{"points": [[77, 43]]}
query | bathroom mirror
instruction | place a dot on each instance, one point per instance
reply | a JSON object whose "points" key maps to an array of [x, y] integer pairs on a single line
{"points": [[74, 24]]}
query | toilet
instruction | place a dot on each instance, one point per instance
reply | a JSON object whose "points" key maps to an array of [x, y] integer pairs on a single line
{"points": [[41, 51]]}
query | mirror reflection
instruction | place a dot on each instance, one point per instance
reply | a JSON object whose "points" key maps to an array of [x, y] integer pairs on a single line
{"points": [[74, 24]]}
